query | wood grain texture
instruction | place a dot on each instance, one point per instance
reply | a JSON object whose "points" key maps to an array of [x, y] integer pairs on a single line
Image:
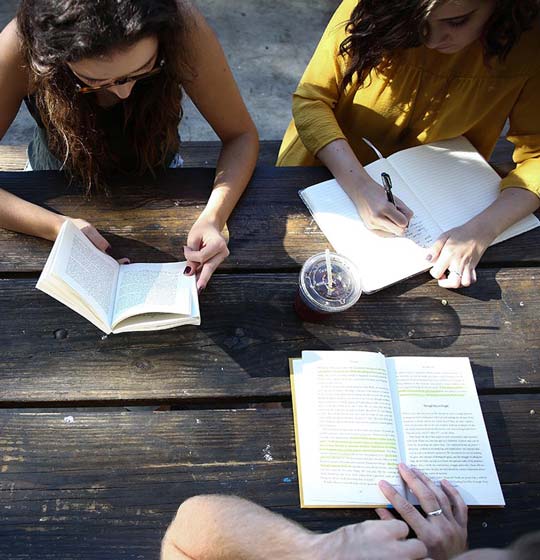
{"points": [[248, 332], [106, 485], [271, 229], [194, 154]]}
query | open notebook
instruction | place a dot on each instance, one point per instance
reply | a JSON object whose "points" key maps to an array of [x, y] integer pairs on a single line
{"points": [[445, 184], [358, 414]]}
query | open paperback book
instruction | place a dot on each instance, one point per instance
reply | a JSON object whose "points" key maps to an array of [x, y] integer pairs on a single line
{"points": [[445, 184], [358, 414], [117, 298]]}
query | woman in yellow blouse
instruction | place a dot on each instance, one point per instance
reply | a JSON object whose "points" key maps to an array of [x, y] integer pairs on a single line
{"points": [[409, 72]]}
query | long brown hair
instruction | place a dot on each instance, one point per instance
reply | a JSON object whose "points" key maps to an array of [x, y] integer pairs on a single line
{"points": [[377, 30], [56, 32]]}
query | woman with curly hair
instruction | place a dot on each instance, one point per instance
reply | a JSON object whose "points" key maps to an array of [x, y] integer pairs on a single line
{"points": [[407, 72], [104, 81]]}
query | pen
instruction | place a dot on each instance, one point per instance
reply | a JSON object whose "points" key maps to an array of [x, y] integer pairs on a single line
{"points": [[387, 182]]}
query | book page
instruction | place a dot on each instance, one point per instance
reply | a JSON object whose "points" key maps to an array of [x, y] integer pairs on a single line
{"points": [[442, 426], [346, 436], [152, 288], [454, 182], [382, 259], [88, 272]]}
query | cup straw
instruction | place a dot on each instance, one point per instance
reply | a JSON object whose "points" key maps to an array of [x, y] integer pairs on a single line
{"points": [[329, 279]]}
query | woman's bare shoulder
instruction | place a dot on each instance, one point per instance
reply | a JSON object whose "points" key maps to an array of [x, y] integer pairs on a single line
{"points": [[13, 67]]}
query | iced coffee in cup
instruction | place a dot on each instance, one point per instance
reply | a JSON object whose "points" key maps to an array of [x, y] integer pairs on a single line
{"points": [[329, 283]]}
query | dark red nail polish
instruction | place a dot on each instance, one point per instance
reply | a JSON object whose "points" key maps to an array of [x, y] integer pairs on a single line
{"points": [[108, 250], [187, 270], [429, 257]]}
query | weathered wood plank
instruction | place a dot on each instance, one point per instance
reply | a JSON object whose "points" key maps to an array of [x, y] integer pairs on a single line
{"points": [[195, 154], [150, 221], [205, 154], [106, 485], [248, 332]]}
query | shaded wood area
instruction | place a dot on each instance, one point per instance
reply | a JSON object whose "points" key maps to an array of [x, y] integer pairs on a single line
{"points": [[271, 229], [195, 154], [105, 486], [248, 332]]}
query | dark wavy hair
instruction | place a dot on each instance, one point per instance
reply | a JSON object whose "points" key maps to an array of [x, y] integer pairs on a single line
{"points": [[56, 32], [378, 29]]}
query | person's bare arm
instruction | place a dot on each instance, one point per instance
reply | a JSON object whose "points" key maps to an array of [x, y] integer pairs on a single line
{"points": [[15, 213], [230, 528], [368, 196], [216, 95]]}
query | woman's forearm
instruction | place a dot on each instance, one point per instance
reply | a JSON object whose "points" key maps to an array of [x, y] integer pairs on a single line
{"points": [[512, 205], [342, 162], [24, 217], [233, 172]]}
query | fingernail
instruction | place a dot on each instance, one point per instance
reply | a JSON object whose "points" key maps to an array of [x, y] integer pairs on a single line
{"points": [[127, 260], [404, 467], [187, 270], [108, 250], [201, 290], [429, 257]]}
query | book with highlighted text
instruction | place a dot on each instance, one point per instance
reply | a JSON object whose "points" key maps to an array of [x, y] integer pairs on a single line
{"points": [[358, 414]]}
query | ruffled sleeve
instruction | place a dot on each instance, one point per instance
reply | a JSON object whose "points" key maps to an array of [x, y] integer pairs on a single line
{"points": [[317, 94], [524, 133]]}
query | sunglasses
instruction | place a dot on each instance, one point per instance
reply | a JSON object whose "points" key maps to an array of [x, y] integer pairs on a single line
{"points": [[83, 88]]}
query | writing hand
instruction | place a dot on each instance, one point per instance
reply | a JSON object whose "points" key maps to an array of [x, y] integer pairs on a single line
{"points": [[378, 213], [444, 535], [458, 251], [206, 249]]}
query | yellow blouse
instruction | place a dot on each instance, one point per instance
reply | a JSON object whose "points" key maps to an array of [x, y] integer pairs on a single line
{"points": [[427, 96]]}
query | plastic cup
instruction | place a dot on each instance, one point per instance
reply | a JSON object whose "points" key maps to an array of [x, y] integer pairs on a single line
{"points": [[316, 300]]}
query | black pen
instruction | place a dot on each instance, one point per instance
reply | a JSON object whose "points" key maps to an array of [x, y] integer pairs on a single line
{"points": [[387, 182]]}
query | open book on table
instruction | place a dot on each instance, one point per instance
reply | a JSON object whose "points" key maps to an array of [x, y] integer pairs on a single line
{"points": [[117, 298], [445, 184], [358, 414]]}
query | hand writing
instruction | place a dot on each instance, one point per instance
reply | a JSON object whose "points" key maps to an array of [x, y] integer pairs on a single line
{"points": [[378, 213]]}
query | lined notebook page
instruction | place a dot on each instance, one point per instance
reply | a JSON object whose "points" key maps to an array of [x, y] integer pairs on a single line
{"points": [[454, 182], [382, 259]]}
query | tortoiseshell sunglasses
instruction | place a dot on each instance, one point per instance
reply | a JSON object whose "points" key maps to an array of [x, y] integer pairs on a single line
{"points": [[121, 81]]}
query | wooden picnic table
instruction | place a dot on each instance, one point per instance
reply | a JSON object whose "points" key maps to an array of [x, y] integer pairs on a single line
{"points": [[86, 473]]}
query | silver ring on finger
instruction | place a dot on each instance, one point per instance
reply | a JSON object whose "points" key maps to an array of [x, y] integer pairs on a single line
{"points": [[455, 272], [434, 513]]}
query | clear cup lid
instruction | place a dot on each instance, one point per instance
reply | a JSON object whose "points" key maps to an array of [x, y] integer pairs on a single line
{"points": [[345, 289]]}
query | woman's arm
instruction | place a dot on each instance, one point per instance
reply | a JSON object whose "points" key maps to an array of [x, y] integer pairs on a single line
{"points": [[216, 95], [368, 196], [17, 214], [460, 249]]}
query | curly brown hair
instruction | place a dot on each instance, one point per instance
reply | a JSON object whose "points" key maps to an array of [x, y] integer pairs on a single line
{"points": [[377, 30], [56, 32]]}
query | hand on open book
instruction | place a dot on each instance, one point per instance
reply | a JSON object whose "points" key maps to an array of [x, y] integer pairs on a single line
{"points": [[458, 251], [378, 213], [444, 534], [206, 250]]}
